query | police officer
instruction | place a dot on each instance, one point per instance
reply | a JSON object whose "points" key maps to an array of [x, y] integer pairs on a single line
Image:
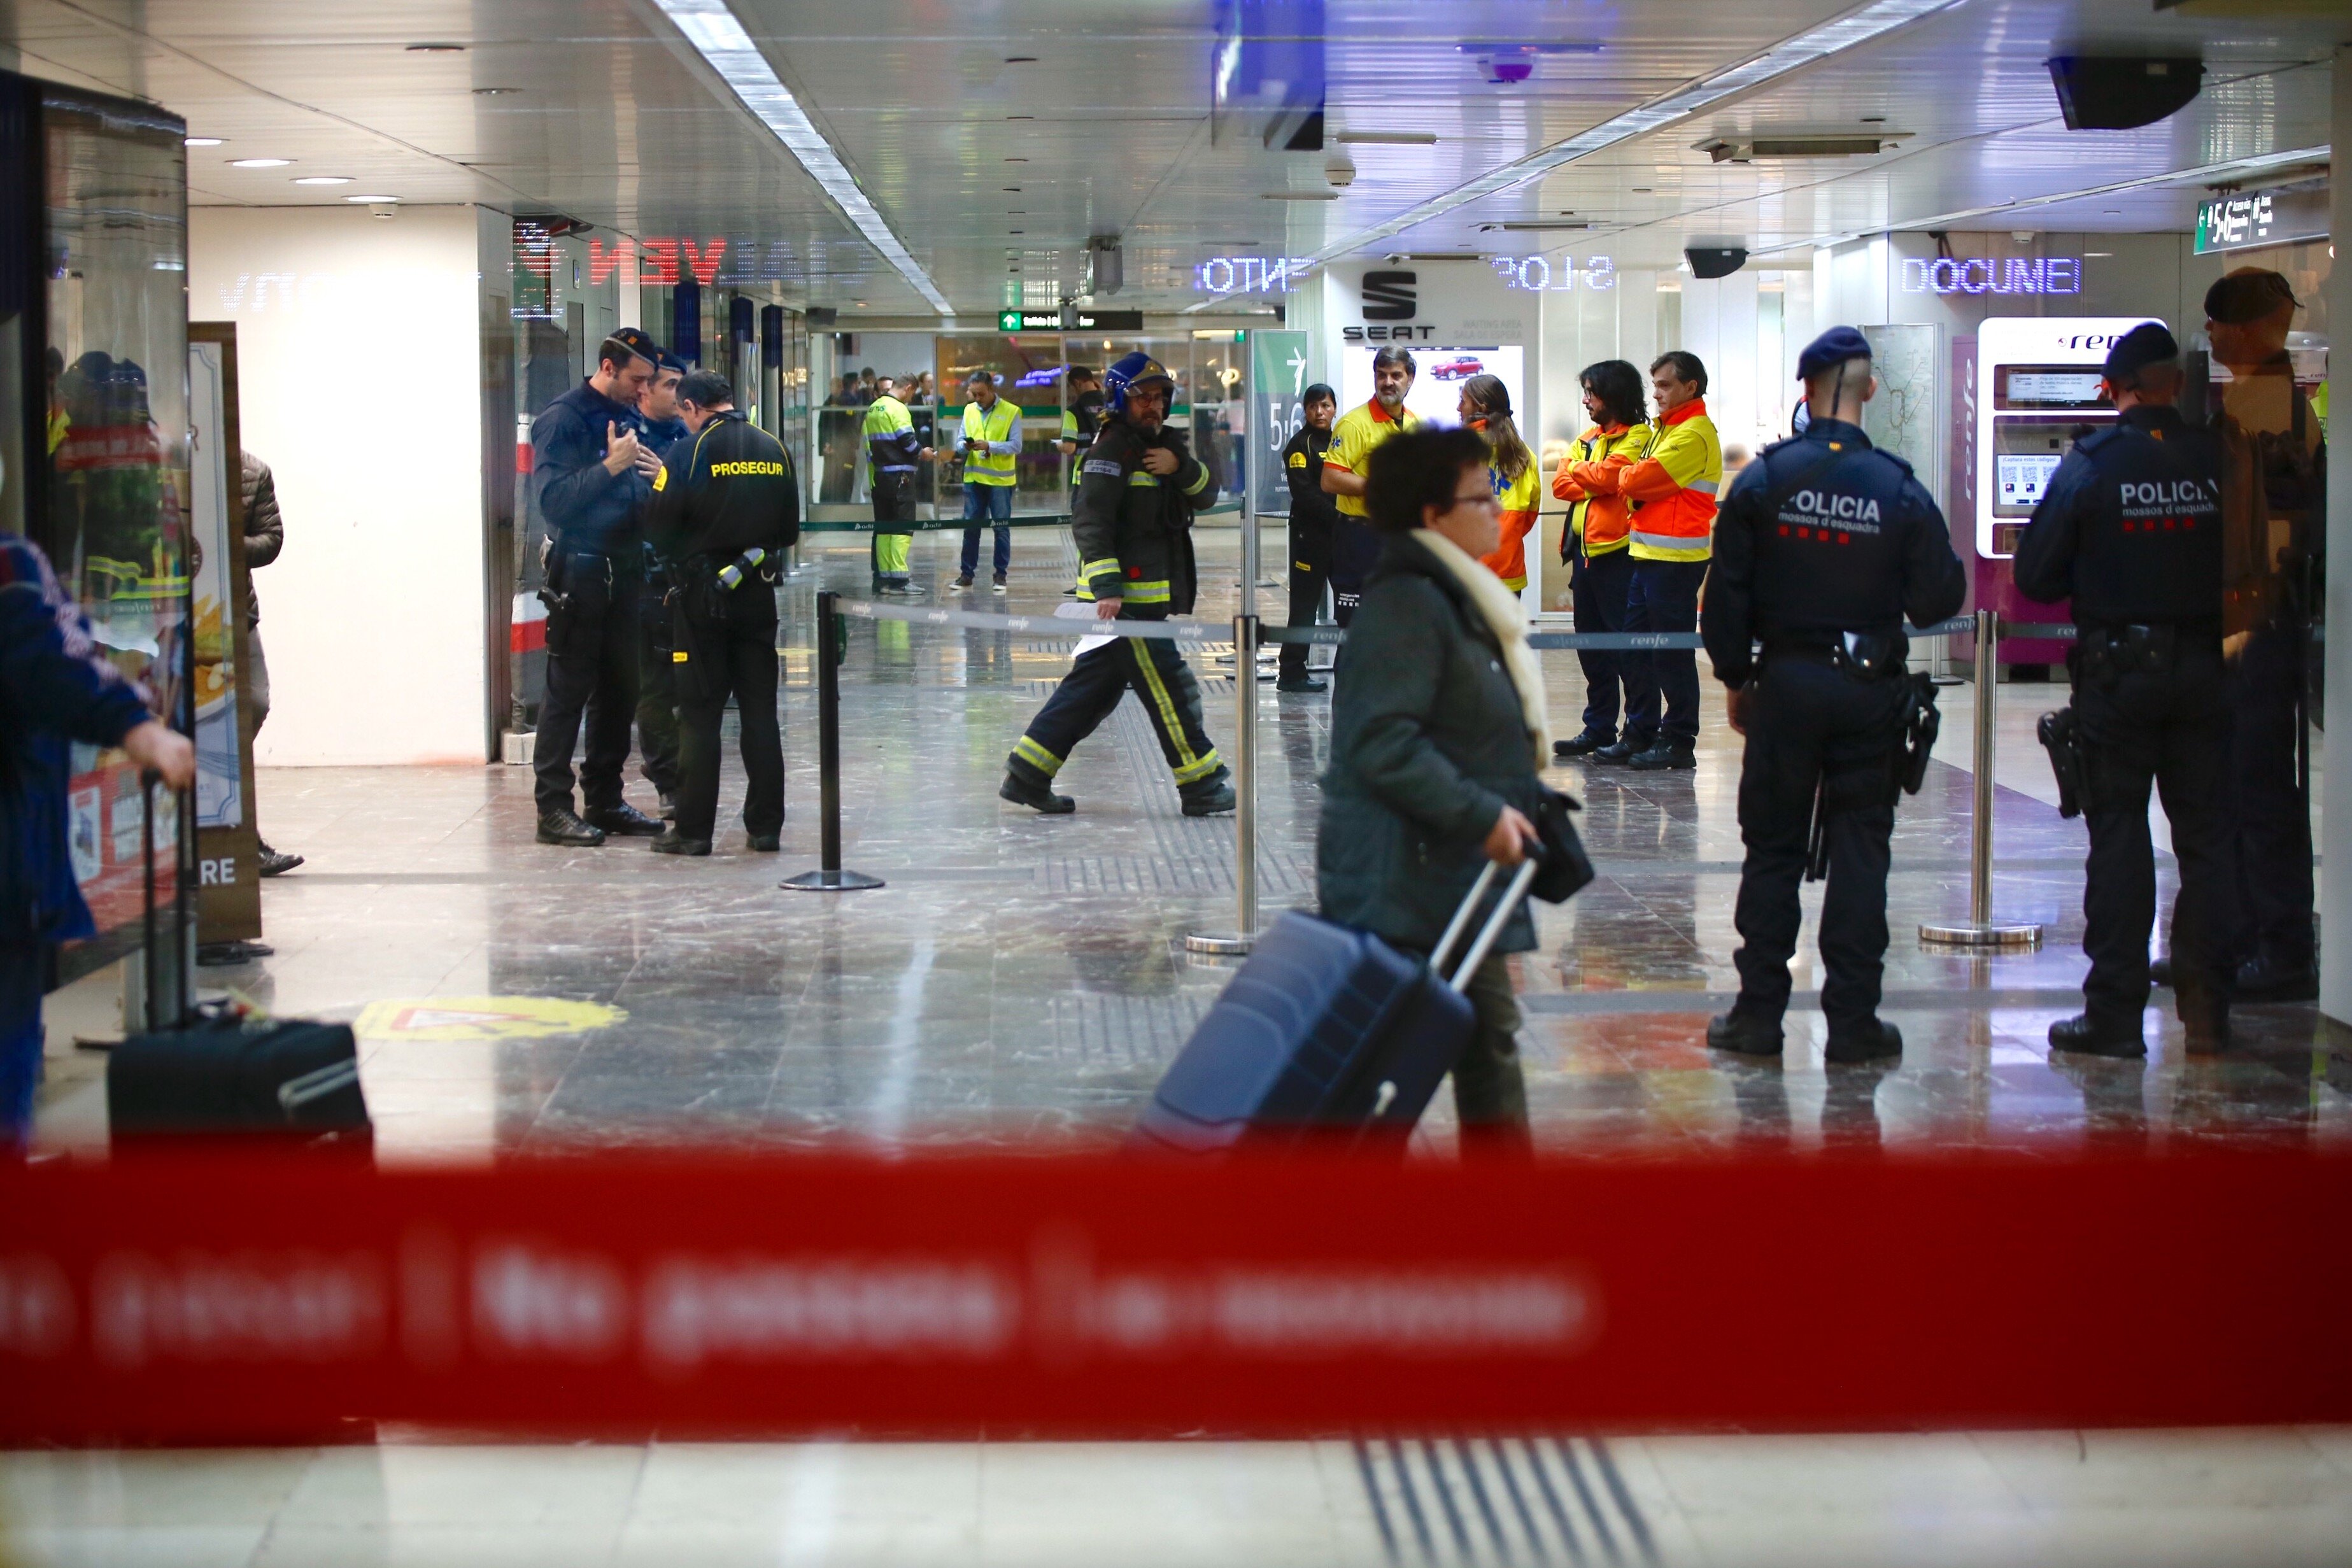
{"points": [[2130, 529], [725, 509], [657, 696], [1824, 547], [1132, 521], [893, 449], [1314, 519], [592, 476]]}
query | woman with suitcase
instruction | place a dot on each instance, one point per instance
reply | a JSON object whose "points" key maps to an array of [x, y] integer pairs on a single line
{"points": [[1436, 736]]}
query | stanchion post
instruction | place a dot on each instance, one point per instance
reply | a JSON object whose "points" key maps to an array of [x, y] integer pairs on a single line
{"points": [[1244, 711], [1981, 930], [831, 634]]}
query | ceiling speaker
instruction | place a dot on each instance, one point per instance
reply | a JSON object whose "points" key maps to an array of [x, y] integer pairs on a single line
{"points": [[2105, 93], [1716, 260]]}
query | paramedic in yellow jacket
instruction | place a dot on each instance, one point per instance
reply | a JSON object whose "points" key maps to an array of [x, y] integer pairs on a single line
{"points": [[1355, 548], [1597, 541], [1671, 492], [1511, 468]]}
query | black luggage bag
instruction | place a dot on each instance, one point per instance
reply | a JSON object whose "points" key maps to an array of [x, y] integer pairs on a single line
{"points": [[214, 1072], [1325, 1028]]}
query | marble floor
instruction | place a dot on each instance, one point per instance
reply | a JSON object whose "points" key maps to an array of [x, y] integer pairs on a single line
{"points": [[1021, 979], [1024, 978]]}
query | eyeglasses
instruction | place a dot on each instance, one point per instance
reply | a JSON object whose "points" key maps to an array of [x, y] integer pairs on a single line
{"points": [[1483, 498]]}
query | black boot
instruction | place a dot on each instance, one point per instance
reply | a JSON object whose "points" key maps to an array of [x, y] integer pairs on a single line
{"points": [[276, 862], [1307, 683], [1874, 1039], [1038, 798], [2262, 980], [1676, 754], [1583, 745], [1743, 1033], [1620, 751], [563, 826], [2079, 1035], [1211, 796], [625, 820], [672, 843]]}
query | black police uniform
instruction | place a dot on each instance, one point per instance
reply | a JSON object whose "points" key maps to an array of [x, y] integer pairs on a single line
{"points": [[1824, 547], [2130, 528], [656, 693], [1314, 520], [594, 572], [725, 491], [1134, 533]]}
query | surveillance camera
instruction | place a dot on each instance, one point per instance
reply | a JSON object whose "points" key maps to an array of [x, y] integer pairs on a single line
{"points": [[2022, 236], [1340, 171]]}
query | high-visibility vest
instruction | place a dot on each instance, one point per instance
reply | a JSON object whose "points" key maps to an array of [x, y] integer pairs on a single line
{"points": [[1516, 499], [995, 425], [1353, 439], [1673, 488], [1589, 479], [893, 454]]}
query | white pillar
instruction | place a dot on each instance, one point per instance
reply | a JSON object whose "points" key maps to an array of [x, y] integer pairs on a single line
{"points": [[2336, 783]]}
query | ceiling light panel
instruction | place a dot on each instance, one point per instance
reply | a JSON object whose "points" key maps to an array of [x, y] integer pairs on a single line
{"points": [[723, 43]]}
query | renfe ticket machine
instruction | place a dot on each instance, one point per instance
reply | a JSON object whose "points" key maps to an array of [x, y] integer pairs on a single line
{"points": [[2037, 394]]}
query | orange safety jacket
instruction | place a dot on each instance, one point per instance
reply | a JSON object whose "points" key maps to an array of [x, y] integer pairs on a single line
{"points": [[1596, 467], [1673, 488]]}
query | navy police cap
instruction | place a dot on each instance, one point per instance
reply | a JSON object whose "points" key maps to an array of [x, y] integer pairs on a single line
{"points": [[1832, 349], [2147, 344]]}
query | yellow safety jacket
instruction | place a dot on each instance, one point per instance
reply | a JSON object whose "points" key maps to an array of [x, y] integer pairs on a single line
{"points": [[1673, 488], [999, 426], [1353, 439], [1598, 517]]}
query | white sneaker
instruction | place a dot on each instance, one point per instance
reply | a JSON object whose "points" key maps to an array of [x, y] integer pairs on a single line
{"points": [[997, 586]]}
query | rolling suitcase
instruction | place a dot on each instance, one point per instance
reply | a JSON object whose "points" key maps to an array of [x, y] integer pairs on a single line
{"points": [[1324, 1027], [212, 1072]]}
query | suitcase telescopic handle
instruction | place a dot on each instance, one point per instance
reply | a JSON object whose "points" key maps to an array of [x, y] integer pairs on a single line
{"points": [[1493, 929]]}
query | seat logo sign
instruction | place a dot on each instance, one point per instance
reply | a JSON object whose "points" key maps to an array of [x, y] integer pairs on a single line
{"points": [[1388, 296]]}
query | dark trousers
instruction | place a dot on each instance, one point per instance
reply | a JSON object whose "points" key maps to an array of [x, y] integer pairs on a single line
{"points": [[1090, 693], [1355, 550], [2264, 806], [1599, 584], [23, 971], [1662, 596], [1490, 1092], [2169, 727], [657, 690], [991, 504], [737, 650], [1813, 728], [592, 670], [894, 521], [1311, 570]]}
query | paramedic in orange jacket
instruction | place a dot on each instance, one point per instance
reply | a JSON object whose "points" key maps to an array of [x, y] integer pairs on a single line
{"points": [[1672, 491], [1595, 541], [1511, 468]]}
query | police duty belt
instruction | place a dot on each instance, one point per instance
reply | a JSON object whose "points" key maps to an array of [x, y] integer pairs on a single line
{"points": [[1182, 630]]}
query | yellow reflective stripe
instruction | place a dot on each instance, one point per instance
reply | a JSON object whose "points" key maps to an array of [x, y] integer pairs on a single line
{"points": [[1037, 756], [1669, 547], [1197, 486], [1193, 772], [1140, 480], [1145, 592], [1170, 722]]}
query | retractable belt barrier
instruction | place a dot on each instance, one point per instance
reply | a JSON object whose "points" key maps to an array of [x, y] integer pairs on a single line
{"points": [[1187, 631], [227, 1296]]}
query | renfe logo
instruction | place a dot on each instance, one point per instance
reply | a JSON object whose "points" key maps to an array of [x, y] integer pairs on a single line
{"points": [[1389, 296]]}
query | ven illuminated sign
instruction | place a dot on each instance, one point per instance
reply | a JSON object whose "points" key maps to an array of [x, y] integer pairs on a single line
{"points": [[1539, 275], [1251, 274], [1987, 275]]}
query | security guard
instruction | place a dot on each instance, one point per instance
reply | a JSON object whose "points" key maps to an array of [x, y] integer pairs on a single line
{"points": [[656, 695], [1133, 525], [1355, 549], [1314, 518], [592, 475], [893, 449], [2130, 529], [1823, 548], [725, 509]]}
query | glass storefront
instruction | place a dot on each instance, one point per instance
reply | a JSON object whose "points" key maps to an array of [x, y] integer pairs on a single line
{"points": [[97, 471]]}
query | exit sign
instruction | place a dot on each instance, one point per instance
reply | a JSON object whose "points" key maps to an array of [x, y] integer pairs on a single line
{"points": [[1069, 320], [1029, 321]]}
